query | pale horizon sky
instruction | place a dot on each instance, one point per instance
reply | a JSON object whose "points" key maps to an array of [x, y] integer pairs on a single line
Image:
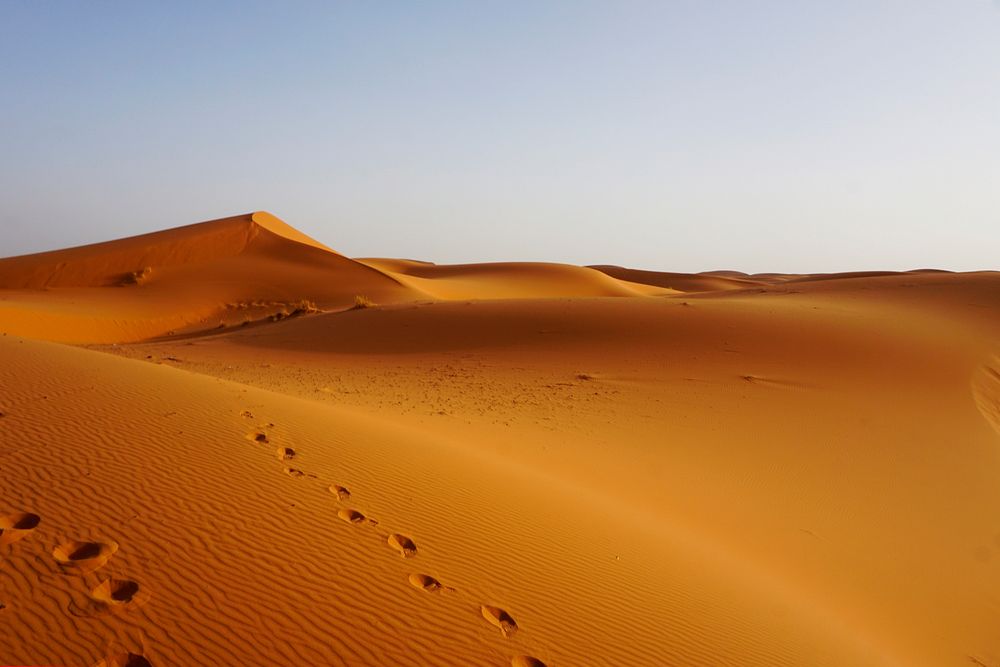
{"points": [[795, 136]]}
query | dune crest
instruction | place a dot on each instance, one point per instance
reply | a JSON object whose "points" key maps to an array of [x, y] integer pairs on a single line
{"points": [[279, 227]]}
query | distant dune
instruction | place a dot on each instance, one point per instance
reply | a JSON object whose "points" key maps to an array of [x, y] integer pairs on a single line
{"points": [[265, 453], [508, 280], [682, 282]]}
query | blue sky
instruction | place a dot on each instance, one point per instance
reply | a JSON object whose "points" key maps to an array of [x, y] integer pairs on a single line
{"points": [[690, 135]]}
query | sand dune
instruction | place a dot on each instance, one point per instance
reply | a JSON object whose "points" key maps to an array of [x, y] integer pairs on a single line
{"points": [[510, 280], [715, 281], [242, 270], [681, 282], [124, 262], [221, 273], [738, 470]]}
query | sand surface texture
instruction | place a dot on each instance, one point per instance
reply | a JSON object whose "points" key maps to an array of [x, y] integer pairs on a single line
{"points": [[257, 451]]}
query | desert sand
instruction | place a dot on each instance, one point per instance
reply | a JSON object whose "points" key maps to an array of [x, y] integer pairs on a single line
{"points": [[228, 444]]}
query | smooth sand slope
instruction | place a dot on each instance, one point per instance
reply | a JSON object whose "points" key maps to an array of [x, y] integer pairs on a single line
{"points": [[794, 472]]}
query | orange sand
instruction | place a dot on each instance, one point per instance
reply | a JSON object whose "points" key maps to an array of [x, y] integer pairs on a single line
{"points": [[489, 464]]}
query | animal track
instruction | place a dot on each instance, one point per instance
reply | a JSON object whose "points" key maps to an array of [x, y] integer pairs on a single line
{"points": [[285, 453], [14, 527], [499, 618], [526, 661], [340, 491], [84, 556], [425, 582], [118, 592], [404, 545], [295, 472]]}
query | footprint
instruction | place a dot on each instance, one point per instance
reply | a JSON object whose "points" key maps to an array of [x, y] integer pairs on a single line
{"points": [[351, 516], [258, 436], [296, 472], [340, 491], [84, 556], [14, 527], [425, 582], [285, 453], [124, 660], [404, 545], [526, 661], [246, 414], [119, 593], [500, 618]]}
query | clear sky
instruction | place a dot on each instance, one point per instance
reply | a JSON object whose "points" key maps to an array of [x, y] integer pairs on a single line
{"points": [[799, 135]]}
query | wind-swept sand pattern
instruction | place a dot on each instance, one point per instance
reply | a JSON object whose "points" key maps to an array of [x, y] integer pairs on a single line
{"points": [[620, 468], [263, 551]]}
